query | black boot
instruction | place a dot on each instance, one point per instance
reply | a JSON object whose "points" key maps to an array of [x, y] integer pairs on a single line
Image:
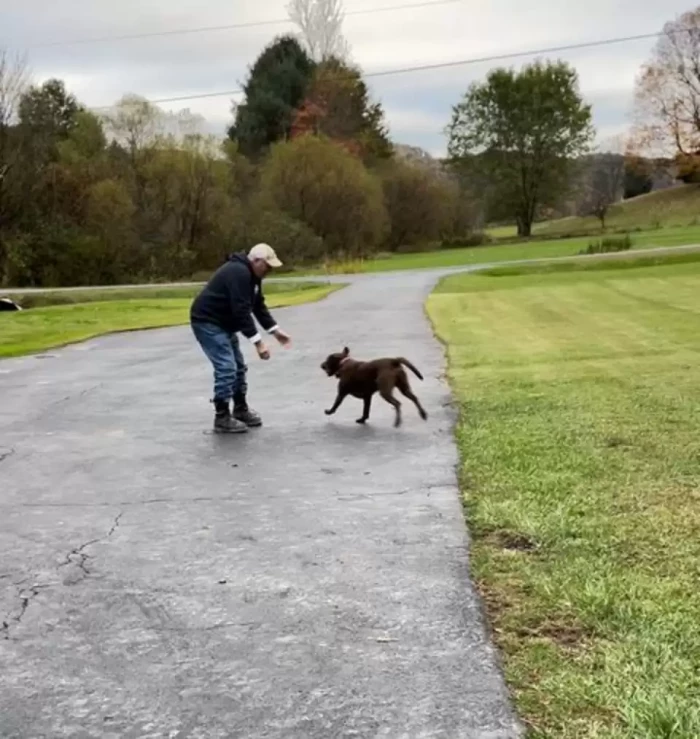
{"points": [[223, 422], [244, 414]]}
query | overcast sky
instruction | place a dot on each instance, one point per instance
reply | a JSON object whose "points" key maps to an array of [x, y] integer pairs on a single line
{"points": [[417, 104]]}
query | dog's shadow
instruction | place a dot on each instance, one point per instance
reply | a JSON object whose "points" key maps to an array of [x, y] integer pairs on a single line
{"points": [[373, 435], [343, 430]]}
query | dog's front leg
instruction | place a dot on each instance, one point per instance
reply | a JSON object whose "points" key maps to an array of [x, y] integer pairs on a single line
{"points": [[365, 411], [339, 399]]}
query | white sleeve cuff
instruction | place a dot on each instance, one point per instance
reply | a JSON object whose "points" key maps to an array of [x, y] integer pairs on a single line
{"points": [[255, 339], [273, 329]]}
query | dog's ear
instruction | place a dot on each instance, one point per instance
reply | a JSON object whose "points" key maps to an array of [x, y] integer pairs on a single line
{"points": [[346, 352]]}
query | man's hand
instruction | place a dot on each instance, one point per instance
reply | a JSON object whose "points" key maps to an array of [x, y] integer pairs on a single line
{"points": [[282, 338], [263, 351]]}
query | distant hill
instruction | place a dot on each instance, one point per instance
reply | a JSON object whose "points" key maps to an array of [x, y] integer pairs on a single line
{"points": [[670, 206]]}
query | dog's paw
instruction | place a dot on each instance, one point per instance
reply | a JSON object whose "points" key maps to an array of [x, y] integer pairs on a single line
{"points": [[424, 416], [361, 421], [328, 412]]}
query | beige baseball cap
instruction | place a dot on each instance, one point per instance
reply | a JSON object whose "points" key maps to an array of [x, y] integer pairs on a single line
{"points": [[266, 253]]}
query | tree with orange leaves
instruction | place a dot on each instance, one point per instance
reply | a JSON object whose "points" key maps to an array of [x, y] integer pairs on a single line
{"points": [[337, 105], [667, 101]]}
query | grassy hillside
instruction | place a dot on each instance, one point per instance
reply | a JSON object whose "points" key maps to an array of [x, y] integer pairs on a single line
{"points": [[678, 206]]}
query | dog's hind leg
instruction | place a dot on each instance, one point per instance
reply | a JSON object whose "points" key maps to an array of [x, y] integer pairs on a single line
{"points": [[385, 390], [404, 387], [365, 412]]}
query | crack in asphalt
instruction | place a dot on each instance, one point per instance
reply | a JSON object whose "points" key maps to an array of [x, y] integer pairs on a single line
{"points": [[27, 595], [224, 499], [82, 556], [352, 497], [201, 629], [79, 396], [52, 405]]}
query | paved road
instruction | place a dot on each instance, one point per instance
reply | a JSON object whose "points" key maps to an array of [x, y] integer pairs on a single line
{"points": [[308, 580]]}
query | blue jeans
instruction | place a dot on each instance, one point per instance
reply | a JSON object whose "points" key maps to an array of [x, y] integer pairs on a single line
{"points": [[224, 352]]}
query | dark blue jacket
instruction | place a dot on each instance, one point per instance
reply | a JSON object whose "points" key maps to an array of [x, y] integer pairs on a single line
{"points": [[231, 298]]}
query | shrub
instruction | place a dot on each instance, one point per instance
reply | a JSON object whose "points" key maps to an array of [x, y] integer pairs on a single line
{"points": [[418, 203], [609, 245], [470, 240], [295, 242], [319, 184]]}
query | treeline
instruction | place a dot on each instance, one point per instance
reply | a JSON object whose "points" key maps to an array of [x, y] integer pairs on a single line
{"points": [[137, 194]]}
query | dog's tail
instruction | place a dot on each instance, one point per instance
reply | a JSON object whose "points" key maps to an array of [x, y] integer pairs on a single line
{"points": [[406, 363]]}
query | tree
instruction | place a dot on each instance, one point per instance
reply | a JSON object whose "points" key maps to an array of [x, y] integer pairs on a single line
{"points": [[85, 142], [136, 127], [638, 176], [523, 129], [49, 110], [13, 83], [667, 100], [47, 115], [317, 183], [109, 213], [337, 105], [135, 124], [275, 88], [321, 25], [263, 221], [418, 203], [187, 211], [604, 181]]}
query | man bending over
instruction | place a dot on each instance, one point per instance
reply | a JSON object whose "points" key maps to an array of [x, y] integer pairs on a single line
{"points": [[226, 306]]}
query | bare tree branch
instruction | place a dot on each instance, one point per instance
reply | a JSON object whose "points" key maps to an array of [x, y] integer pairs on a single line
{"points": [[667, 105], [321, 26], [604, 179], [14, 80]]}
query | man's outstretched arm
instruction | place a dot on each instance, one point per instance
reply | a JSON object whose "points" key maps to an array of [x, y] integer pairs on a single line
{"points": [[265, 319]]}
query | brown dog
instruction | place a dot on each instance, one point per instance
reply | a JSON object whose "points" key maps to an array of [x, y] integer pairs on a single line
{"points": [[363, 379]]}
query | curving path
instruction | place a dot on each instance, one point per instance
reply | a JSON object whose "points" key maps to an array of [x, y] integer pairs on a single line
{"points": [[307, 580]]}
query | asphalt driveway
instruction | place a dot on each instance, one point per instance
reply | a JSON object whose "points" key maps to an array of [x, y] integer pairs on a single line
{"points": [[309, 579]]}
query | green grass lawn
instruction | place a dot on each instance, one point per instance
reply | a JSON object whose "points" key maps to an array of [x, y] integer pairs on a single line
{"points": [[97, 294], [577, 268], [63, 320], [579, 436]]}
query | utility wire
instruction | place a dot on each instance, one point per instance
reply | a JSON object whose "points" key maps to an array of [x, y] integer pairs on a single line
{"points": [[444, 65], [227, 27]]}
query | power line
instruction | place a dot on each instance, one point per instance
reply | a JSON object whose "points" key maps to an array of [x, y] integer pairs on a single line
{"points": [[227, 27], [444, 65]]}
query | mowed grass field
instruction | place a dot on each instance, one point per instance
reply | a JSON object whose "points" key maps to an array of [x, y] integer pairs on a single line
{"points": [[67, 317], [579, 435], [493, 254]]}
